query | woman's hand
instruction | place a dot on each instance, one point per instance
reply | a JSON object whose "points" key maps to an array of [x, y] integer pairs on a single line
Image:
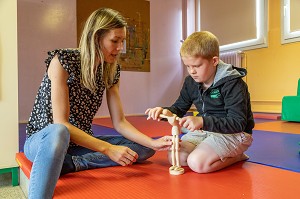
{"points": [[121, 155], [162, 144]]}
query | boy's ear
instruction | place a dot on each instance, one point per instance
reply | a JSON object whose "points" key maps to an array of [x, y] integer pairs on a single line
{"points": [[215, 60]]}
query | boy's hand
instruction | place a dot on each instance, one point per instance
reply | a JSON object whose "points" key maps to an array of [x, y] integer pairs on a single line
{"points": [[166, 112], [192, 123], [154, 113]]}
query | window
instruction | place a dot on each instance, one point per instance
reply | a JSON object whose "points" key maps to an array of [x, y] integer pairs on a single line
{"points": [[290, 23], [239, 25]]}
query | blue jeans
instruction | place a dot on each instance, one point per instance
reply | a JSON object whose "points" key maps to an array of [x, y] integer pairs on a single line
{"points": [[51, 155]]}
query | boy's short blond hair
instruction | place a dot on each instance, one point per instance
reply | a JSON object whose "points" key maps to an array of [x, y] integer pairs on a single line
{"points": [[203, 43]]}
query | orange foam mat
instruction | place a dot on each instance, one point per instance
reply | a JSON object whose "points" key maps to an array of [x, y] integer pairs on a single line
{"points": [[279, 126], [151, 180], [24, 164], [149, 127]]}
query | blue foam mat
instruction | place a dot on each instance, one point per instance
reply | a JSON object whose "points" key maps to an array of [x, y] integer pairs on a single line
{"points": [[103, 130], [22, 136], [280, 150]]}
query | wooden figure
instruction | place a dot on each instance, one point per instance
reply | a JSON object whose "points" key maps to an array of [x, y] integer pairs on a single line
{"points": [[175, 169]]}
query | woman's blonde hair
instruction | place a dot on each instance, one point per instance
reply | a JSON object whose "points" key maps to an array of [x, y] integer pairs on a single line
{"points": [[97, 25], [203, 44]]}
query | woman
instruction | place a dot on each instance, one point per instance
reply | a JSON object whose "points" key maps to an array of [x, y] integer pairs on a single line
{"points": [[59, 136]]}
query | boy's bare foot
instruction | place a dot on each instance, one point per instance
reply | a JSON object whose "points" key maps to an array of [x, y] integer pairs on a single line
{"points": [[244, 157]]}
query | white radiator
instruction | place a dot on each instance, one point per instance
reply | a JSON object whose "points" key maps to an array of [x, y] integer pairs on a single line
{"points": [[233, 57]]}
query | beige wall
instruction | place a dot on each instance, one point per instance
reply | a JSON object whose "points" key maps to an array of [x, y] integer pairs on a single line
{"points": [[42, 26], [273, 72], [8, 84]]}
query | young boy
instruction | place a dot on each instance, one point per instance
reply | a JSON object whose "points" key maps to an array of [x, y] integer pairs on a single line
{"points": [[222, 131]]}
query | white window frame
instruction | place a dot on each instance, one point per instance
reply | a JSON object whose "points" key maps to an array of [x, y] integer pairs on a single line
{"points": [[287, 36], [261, 29]]}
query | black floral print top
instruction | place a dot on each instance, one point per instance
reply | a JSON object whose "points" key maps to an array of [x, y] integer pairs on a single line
{"points": [[83, 103]]}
